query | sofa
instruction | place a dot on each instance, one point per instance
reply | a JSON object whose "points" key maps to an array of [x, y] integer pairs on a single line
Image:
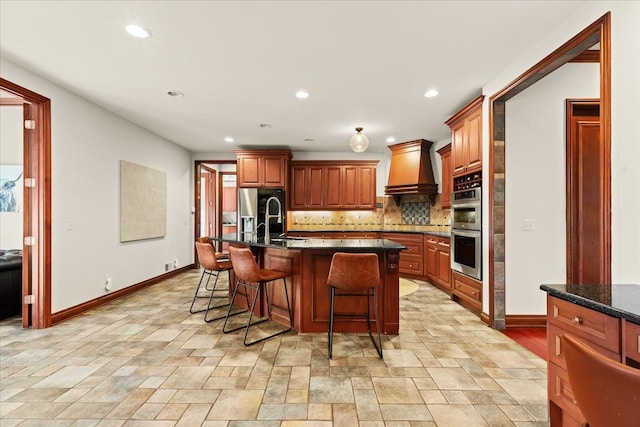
{"points": [[10, 282]]}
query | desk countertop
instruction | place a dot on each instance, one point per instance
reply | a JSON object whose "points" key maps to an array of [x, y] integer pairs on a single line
{"points": [[622, 301]]}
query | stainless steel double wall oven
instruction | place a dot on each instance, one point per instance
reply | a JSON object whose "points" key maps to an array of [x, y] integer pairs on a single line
{"points": [[466, 232]]}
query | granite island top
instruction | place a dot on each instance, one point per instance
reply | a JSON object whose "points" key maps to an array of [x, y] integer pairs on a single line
{"points": [[313, 243], [622, 301]]}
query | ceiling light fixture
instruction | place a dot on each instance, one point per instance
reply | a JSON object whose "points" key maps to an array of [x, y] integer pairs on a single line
{"points": [[431, 93], [137, 31], [265, 125], [175, 93], [302, 94], [228, 139], [359, 142], [309, 140], [391, 139]]}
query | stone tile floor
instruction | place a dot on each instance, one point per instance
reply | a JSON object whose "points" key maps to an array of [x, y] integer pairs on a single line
{"points": [[144, 360]]}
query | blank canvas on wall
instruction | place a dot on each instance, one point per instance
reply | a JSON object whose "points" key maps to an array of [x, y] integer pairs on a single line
{"points": [[143, 202]]}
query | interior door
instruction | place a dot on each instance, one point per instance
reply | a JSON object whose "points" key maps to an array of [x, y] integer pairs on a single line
{"points": [[207, 201], [588, 261]]}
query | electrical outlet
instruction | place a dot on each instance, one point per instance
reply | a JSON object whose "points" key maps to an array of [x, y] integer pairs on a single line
{"points": [[167, 266], [527, 224]]}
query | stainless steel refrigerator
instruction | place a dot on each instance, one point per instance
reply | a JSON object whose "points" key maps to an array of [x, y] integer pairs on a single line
{"points": [[254, 218]]}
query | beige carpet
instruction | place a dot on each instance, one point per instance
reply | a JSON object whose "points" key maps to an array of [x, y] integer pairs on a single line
{"points": [[407, 286]]}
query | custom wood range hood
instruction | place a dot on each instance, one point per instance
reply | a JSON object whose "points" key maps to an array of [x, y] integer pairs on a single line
{"points": [[411, 171]]}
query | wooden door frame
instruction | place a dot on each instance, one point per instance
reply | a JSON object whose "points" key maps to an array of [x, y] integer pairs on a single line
{"points": [[599, 31], [37, 208], [221, 196]]}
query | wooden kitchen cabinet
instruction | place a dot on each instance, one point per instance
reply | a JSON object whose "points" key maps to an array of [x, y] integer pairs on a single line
{"points": [[262, 168], [332, 185], [438, 262], [466, 290], [446, 180], [466, 138], [412, 259]]}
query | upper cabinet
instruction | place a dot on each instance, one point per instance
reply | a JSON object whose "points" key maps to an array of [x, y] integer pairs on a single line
{"points": [[466, 138], [332, 185], [446, 180], [262, 168]]}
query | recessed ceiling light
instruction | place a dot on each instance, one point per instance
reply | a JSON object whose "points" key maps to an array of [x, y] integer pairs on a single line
{"points": [[309, 140], [265, 125], [302, 94], [175, 93], [431, 93], [391, 139], [137, 31], [228, 139]]}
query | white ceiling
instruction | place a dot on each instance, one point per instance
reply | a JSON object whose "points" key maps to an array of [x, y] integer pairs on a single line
{"points": [[239, 63]]}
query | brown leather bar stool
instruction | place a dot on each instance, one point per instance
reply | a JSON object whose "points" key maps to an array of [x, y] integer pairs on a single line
{"points": [[353, 273], [607, 392], [220, 256], [250, 276], [211, 267]]}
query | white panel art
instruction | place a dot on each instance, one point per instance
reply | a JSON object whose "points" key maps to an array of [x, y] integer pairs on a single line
{"points": [[143, 202]]}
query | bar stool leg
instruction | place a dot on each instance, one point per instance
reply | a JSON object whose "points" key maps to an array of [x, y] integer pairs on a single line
{"points": [[195, 295], [333, 292], [375, 309]]}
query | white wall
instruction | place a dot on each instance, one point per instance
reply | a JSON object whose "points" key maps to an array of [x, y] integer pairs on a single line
{"points": [[625, 132], [87, 144], [11, 154], [535, 183]]}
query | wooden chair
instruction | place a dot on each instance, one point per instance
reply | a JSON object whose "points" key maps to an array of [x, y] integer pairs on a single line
{"points": [[351, 274], [607, 391], [250, 276]]}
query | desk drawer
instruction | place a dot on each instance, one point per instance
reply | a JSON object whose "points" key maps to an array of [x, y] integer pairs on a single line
{"points": [[594, 327]]}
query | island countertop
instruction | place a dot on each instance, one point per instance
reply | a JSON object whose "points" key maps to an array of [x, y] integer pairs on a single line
{"points": [[621, 301], [313, 243]]}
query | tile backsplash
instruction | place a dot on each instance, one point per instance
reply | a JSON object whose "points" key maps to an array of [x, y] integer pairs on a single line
{"points": [[414, 211]]}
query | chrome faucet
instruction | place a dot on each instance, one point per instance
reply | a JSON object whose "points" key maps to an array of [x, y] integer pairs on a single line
{"points": [[268, 216]]}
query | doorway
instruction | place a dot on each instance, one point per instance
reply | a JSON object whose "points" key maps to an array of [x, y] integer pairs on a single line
{"points": [[36, 248], [598, 32]]}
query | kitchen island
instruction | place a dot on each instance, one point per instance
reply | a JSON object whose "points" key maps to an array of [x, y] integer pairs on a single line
{"points": [[307, 260], [605, 317]]}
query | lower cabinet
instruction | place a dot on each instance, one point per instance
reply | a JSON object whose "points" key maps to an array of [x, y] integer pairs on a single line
{"points": [[412, 259], [600, 331], [438, 262], [466, 290]]}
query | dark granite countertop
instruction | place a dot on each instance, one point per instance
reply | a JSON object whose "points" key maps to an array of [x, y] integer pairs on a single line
{"points": [[446, 234], [622, 301], [313, 243]]}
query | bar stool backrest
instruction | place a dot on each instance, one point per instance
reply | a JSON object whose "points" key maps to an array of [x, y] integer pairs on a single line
{"points": [[354, 271], [244, 264], [207, 256], [608, 392]]}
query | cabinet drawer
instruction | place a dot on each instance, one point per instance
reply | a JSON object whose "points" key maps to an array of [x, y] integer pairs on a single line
{"points": [[560, 392], [592, 326], [632, 341], [411, 266], [554, 343], [466, 289]]}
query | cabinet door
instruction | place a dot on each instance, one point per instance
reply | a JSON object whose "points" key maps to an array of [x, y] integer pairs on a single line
{"points": [[444, 263], [458, 151], [432, 262], [274, 171], [474, 141], [249, 171], [298, 188], [366, 194], [314, 187], [350, 187], [446, 179], [333, 187]]}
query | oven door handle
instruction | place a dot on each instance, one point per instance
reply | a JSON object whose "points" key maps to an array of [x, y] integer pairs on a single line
{"points": [[467, 204], [465, 233]]}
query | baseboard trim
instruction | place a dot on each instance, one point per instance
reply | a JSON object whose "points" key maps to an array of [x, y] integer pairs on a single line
{"points": [[525, 321], [484, 317], [70, 312]]}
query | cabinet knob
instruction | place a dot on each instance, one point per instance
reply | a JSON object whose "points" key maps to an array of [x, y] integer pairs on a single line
{"points": [[473, 293], [577, 320]]}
